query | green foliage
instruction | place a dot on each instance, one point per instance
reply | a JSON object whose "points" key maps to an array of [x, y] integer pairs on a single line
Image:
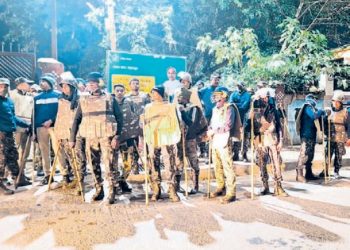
{"points": [[303, 56], [242, 37]]}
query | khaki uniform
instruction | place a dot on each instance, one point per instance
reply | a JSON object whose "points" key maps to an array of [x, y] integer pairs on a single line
{"points": [[221, 123], [24, 105]]}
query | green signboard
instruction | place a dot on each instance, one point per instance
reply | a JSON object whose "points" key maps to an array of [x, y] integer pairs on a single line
{"points": [[149, 69]]}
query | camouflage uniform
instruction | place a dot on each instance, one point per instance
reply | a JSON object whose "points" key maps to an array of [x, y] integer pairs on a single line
{"points": [[128, 138], [194, 124], [162, 132], [339, 121], [99, 120], [268, 134], [8, 154], [139, 102], [307, 153], [8, 150]]}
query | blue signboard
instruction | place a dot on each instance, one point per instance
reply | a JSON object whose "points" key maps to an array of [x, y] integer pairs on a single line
{"points": [[149, 69]]}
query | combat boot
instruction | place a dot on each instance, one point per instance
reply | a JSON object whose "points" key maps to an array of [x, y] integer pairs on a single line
{"points": [[322, 174], [300, 176], [266, 189], [177, 183], [124, 187], [172, 193], [227, 199], [196, 186], [309, 176], [111, 195], [45, 180], [4, 190], [155, 192], [217, 192], [279, 191], [23, 181], [100, 194], [245, 157], [65, 181]]}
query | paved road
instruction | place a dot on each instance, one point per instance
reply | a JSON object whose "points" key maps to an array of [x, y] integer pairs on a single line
{"points": [[315, 216]]}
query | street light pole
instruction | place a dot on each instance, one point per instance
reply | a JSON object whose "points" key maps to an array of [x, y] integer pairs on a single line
{"points": [[54, 29], [110, 25]]}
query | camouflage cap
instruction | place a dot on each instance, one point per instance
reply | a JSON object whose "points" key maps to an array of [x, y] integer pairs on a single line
{"points": [[20, 80]]}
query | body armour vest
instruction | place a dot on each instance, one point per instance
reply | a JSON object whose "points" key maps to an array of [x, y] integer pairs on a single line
{"points": [[98, 118], [338, 122], [131, 128], [265, 127], [64, 119], [161, 125]]}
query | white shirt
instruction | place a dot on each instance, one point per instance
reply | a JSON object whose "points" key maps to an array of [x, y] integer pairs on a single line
{"points": [[171, 87]]}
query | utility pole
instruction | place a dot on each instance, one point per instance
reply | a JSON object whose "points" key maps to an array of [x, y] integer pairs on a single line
{"points": [[110, 25], [54, 29]]}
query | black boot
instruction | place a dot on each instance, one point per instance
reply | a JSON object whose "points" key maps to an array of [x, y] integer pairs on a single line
{"points": [[111, 195], [322, 174], [65, 180], [265, 190], [4, 190], [45, 180], [23, 181], [217, 192], [39, 171], [124, 187], [177, 183], [235, 157], [100, 194], [196, 186], [245, 157], [309, 176]]}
